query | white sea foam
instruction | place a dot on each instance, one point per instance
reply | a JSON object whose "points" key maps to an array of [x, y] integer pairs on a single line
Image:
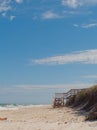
{"points": [[16, 107], [9, 107]]}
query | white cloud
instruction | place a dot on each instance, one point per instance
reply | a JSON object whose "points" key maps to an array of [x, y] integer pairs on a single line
{"points": [[5, 5], [77, 3], [55, 15], [89, 25], [76, 25], [50, 15], [84, 57], [54, 86], [12, 17], [4, 14], [19, 1], [86, 26], [71, 12], [71, 3], [90, 76]]}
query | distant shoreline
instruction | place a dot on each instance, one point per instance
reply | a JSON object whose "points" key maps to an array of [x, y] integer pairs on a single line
{"points": [[18, 106]]}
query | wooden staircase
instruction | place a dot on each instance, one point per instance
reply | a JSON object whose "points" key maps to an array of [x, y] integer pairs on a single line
{"points": [[61, 98]]}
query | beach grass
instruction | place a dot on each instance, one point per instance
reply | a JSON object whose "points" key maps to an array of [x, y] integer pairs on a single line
{"points": [[86, 100]]}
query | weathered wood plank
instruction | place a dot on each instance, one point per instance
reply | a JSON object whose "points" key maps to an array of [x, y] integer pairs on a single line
{"points": [[60, 97]]}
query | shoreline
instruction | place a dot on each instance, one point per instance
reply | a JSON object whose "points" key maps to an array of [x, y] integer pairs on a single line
{"points": [[18, 106]]}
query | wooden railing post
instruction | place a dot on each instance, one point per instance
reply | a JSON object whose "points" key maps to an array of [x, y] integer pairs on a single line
{"points": [[60, 97]]}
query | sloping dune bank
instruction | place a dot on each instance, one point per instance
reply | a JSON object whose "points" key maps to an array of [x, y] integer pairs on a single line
{"points": [[44, 118]]}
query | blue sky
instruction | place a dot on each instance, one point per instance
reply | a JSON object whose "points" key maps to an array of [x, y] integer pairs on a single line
{"points": [[46, 47]]}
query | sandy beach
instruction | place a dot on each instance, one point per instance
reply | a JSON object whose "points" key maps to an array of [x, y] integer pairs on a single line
{"points": [[44, 118]]}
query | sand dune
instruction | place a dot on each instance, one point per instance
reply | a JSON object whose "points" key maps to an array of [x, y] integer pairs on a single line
{"points": [[44, 118]]}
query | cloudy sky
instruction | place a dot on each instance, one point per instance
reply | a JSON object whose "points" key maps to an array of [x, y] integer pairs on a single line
{"points": [[46, 46]]}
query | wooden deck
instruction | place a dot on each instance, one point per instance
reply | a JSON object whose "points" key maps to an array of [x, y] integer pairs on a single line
{"points": [[61, 98]]}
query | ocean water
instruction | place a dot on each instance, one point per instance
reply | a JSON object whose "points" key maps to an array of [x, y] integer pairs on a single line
{"points": [[16, 106]]}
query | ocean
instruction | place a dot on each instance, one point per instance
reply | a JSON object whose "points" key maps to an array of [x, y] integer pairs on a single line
{"points": [[17, 106]]}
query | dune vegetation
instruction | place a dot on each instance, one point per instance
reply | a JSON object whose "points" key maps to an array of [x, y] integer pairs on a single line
{"points": [[86, 100]]}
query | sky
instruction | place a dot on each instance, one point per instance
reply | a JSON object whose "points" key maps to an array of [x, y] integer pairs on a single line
{"points": [[46, 46]]}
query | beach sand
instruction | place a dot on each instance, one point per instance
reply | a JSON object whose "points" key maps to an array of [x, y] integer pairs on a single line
{"points": [[44, 118]]}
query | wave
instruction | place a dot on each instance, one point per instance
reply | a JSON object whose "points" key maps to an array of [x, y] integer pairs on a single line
{"points": [[17, 106]]}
